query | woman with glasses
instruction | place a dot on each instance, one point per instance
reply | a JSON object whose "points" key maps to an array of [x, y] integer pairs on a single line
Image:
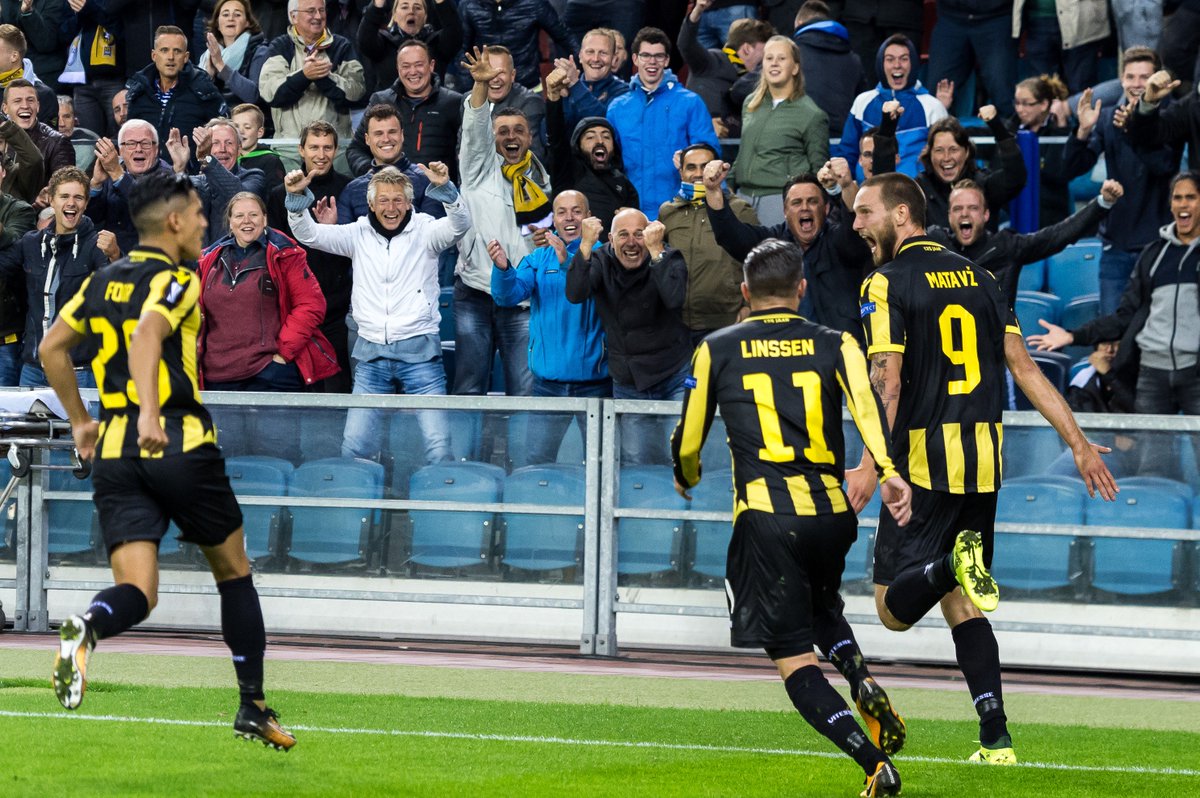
{"points": [[1041, 108], [784, 133]]}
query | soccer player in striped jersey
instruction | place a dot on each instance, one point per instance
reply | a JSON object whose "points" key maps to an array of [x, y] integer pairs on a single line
{"points": [[939, 335], [779, 380], [154, 452]]}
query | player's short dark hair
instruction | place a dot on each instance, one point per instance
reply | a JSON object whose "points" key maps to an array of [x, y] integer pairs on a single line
{"points": [[773, 268], [650, 35], [318, 127], [154, 190], [803, 177], [379, 111], [900, 189]]}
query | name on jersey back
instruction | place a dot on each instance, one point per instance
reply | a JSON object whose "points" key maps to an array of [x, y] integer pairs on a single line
{"points": [[795, 347], [954, 279]]}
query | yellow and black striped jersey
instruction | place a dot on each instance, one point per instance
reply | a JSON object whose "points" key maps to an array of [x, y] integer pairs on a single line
{"points": [[107, 308], [947, 318], [779, 380]]}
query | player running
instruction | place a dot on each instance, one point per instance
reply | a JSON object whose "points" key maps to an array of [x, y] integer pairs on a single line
{"points": [[779, 380], [939, 335], [154, 449]]}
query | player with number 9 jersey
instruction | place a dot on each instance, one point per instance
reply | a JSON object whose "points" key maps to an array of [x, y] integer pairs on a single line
{"points": [[948, 319]]}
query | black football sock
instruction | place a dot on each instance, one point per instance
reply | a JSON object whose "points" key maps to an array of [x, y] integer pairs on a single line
{"points": [[915, 591], [115, 609], [979, 660], [244, 633], [820, 705], [840, 648]]}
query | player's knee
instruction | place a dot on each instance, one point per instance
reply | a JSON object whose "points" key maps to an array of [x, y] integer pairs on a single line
{"points": [[151, 600], [885, 615]]}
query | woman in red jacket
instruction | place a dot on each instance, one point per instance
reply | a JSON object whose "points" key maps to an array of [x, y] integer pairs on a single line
{"points": [[262, 308]]}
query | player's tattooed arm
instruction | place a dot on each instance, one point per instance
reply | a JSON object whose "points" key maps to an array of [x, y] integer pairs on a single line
{"points": [[885, 379]]}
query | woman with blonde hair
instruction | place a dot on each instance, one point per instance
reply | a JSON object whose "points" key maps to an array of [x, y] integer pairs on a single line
{"points": [[784, 133]]}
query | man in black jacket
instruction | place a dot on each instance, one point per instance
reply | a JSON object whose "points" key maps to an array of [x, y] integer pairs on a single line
{"points": [[21, 104], [171, 92], [386, 25], [318, 147], [17, 218], [515, 24], [63, 256], [833, 73], [712, 72], [430, 114], [1154, 126], [587, 160], [835, 257], [639, 285], [1157, 321]]}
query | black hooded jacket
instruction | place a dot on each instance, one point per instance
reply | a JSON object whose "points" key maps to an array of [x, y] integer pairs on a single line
{"points": [[27, 262], [606, 190]]}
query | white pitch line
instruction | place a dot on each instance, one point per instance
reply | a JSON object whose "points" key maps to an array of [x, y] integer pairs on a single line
{"points": [[644, 744]]}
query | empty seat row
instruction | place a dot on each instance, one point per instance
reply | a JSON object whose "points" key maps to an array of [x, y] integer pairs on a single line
{"points": [[1072, 273]]}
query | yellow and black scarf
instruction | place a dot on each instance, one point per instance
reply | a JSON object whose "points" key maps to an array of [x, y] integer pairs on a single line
{"points": [[11, 75], [732, 55], [529, 201]]}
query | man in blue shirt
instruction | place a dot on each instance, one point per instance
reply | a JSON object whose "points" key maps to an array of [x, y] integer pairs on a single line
{"points": [[566, 340]]}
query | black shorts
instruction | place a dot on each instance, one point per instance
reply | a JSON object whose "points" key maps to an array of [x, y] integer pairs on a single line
{"points": [[138, 498], [937, 518], [782, 577]]}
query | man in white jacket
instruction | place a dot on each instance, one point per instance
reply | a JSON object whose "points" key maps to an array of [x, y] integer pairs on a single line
{"points": [[394, 253], [508, 191]]}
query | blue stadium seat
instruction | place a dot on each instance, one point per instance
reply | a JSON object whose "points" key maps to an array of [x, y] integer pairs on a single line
{"points": [[334, 535], [1032, 277], [1133, 567], [453, 539], [1075, 271], [261, 476], [1029, 450], [1056, 366], [1038, 562], [1080, 310], [544, 542], [645, 545], [713, 494], [1033, 305]]}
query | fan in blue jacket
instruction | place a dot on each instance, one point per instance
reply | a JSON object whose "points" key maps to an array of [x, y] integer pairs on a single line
{"points": [[896, 64], [656, 119]]}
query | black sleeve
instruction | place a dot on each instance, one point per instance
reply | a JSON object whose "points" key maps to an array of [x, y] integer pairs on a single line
{"points": [[1077, 156], [886, 149], [447, 40], [735, 236], [558, 147], [1057, 237], [699, 60], [368, 39], [1008, 174]]}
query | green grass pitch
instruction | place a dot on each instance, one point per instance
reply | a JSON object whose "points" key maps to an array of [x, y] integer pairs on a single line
{"points": [[161, 725]]}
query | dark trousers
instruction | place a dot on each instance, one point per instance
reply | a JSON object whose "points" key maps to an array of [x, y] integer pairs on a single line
{"points": [[1045, 54]]}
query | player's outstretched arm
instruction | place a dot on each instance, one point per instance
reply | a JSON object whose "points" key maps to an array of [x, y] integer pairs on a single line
{"points": [[55, 353], [1051, 404], [145, 354]]}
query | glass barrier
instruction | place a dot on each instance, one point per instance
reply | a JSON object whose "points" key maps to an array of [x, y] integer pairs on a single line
{"points": [[1053, 542]]}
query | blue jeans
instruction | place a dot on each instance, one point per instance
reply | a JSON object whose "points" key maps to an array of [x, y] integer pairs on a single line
{"points": [[547, 434], [10, 364], [33, 377], [1137, 22], [644, 439], [480, 328], [1115, 267], [714, 25], [365, 430], [957, 45]]}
